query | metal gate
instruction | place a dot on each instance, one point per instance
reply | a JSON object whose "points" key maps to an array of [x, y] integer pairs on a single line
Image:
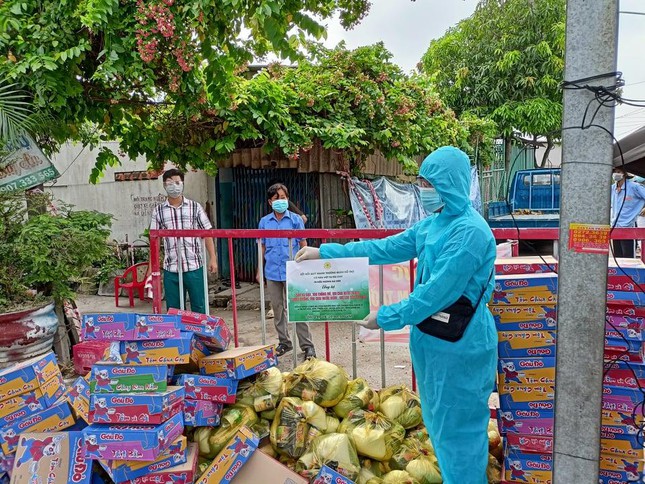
{"points": [[250, 205]]}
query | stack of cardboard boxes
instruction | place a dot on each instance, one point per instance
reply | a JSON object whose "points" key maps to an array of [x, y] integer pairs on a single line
{"points": [[524, 309]]}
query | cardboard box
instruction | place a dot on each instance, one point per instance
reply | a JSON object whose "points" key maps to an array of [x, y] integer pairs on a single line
{"points": [[22, 406], [528, 468], [264, 469], [202, 413], [523, 297], [52, 419], [128, 326], [328, 475], [204, 387], [626, 298], [526, 371], [185, 472], [78, 397], [530, 397], [620, 448], [618, 309], [6, 462], [157, 352], [529, 444], [240, 362], [636, 323], [122, 471], [618, 374], [28, 375], [199, 350], [526, 265], [231, 459], [619, 477], [612, 418], [131, 442], [546, 282], [630, 334], [54, 458], [210, 329], [526, 422], [118, 378], [526, 344], [136, 408], [626, 433]]}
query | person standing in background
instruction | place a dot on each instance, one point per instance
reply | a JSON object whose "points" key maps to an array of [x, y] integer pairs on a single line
{"points": [[180, 213], [627, 202]]}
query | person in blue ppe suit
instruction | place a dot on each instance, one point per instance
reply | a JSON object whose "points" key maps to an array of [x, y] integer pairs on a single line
{"points": [[456, 254]]}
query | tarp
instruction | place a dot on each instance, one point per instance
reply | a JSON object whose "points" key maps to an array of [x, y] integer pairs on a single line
{"points": [[386, 204]]}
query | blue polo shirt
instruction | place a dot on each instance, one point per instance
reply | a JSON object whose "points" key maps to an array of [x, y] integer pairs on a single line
{"points": [[277, 250], [627, 203]]}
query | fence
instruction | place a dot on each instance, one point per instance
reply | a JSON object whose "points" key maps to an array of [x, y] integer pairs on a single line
{"points": [[323, 234]]}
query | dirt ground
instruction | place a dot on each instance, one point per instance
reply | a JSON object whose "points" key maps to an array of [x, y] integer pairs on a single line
{"points": [[398, 368]]}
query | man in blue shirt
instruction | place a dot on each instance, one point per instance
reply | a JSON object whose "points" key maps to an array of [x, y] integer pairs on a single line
{"points": [[276, 253], [627, 201]]}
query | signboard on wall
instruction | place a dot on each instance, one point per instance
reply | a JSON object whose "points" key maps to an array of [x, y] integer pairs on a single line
{"points": [[25, 167]]}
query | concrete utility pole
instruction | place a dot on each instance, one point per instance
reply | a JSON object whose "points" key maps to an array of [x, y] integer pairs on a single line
{"points": [[591, 38]]}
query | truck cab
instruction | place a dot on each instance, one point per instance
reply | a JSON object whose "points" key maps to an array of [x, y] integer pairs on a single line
{"points": [[533, 200]]}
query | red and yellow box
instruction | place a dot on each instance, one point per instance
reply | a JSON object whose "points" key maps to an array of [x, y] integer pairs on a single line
{"points": [[240, 362], [184, 472], [28, 375], [231, 459], [526, 344]]}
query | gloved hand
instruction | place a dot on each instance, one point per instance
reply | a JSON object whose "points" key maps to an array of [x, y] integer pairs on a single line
{"points": [[307, 253], [370, 321]]}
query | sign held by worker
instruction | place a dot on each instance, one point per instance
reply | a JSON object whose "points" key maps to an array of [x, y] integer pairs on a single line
{"points": [[328, 290]]}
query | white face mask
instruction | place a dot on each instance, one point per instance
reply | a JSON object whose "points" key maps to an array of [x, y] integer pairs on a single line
{"points": [[174, 189], [617, 176]]}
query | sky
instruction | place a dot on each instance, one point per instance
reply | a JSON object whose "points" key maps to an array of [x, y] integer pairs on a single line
{"points": [[406, 28]]}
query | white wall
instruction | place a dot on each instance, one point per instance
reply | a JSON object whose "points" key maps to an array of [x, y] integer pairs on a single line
{"points": [[555, 156], [131, 202]]}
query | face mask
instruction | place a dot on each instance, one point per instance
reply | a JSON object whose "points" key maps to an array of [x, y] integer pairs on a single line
{"points": [[617, 176], [430, 199], [174, 190], [280, 206]]}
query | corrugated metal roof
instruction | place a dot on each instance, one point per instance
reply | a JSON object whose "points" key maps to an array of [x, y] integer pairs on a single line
{"points": [[317, 159]]}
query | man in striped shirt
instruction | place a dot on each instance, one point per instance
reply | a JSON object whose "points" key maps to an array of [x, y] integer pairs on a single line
{"points": [[177, 213]]}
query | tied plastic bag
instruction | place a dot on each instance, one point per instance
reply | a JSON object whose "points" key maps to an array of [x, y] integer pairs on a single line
{"points": [[334, 450], [212, 440], [291, 429], [371, 470], [357, 395], [425, 470], [398, 477], [374, 435], [319, 381], [410, 449], [401, 405], [332, 424], [262, 393]]}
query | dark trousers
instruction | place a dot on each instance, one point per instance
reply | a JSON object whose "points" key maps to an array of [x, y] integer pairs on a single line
{"points": [[624, 248]]}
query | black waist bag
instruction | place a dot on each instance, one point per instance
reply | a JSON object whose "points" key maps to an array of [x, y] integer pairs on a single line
{"points": [[450, 324]]}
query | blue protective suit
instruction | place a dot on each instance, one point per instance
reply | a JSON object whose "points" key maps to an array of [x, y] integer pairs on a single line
{"points": [[456, 254]]}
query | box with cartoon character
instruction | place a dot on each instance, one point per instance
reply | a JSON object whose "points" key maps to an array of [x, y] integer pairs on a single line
{"points": [[618, 374], [122, 471], [531, 296], [620, 448], [53, 457], [607, 476], [526, 397], [528, 468], [210, 329], [526, 344], [527, 283], [52, 419], [525, 318], [202, 413], [203, 387], [526, 371], [131, 442], [625, 431], [199, 350], [128, 326], [28, 375], [526, 422], [525, 265], [26, 404], [531, 444], [109, 377], [157, 352], [626, 298], [232, 457], [78, 396], [181, 473], [136, 408], [630, 334], [328, 475], [239, 362]]}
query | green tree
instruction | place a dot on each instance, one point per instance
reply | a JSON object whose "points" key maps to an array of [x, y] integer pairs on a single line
{"points": [[505, 62]]}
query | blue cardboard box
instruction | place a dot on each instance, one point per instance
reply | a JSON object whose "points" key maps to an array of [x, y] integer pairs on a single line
{"points": [[157, 352], [328, 475], [136, 408], [119, 378]]}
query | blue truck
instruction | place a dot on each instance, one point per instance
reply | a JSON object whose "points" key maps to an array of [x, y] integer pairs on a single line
{"points": [[533, 201]]}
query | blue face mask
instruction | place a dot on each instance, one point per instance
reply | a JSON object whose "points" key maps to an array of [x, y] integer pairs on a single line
{"points": [[430, 199], [280, 206]]}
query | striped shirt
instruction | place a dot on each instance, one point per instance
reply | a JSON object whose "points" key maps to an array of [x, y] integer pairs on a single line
{"points": [[189, 215]]}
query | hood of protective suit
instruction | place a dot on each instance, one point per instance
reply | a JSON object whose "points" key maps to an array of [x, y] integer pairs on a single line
{"points": [[448, 169]]}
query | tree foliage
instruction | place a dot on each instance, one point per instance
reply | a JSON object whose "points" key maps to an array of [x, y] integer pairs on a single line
{"points": [[505, 62], [168, 79]]}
